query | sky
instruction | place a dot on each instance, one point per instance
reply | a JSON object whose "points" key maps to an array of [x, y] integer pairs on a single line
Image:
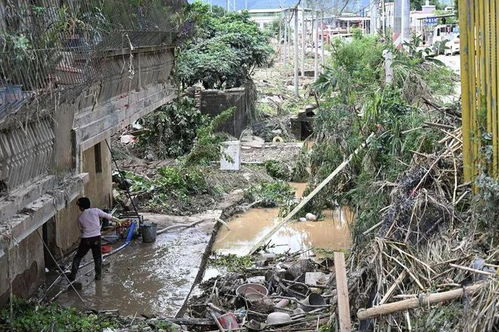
{"points": [[266, 4]]}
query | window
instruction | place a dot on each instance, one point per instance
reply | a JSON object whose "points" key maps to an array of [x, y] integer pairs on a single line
{"points": [[98, 158]]}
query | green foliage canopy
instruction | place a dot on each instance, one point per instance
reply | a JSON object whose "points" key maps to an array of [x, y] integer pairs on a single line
{"points": [[224, 50]]}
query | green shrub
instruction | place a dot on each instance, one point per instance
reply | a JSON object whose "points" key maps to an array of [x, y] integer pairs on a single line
{"points": [[278, 170], [171, 130], [169, 182], [31, 317], [224, 50], [206, 147], [232, 262], [270, 194]]}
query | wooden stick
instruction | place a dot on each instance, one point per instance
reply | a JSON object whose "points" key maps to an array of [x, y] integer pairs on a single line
{"points": [[189, 321], [161, 231], [472, 270], [342, 291], [212, 314], [423, 300], [310, 196], [400, 278], [370, 229]]}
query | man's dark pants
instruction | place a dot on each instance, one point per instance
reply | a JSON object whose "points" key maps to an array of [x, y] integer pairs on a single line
{"points": [[86, 244]]}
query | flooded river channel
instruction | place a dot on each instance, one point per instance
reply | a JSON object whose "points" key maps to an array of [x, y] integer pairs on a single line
{"points": [[146, 278], [330, 232], [154, 279]]}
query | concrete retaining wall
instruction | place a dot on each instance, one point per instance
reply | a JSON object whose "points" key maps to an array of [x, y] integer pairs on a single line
{"points": [[26, 152], [25, 265], [214, 102], [50, 160]]}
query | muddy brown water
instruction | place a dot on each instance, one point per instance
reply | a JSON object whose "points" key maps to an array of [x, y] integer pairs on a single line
{"points": [[151, 279], [330, 232]]}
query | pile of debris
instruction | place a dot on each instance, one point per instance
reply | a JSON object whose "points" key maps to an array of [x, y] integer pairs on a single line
{"points": [[279, 292], [429, 247]]}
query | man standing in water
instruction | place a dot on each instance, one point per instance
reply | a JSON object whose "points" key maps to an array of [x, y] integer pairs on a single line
{"points": [[89, 222]]}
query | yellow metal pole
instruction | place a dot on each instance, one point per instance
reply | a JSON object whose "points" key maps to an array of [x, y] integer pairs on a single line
{"points": [[494, 10], [474, 84], [487, 98], [464, 25]]}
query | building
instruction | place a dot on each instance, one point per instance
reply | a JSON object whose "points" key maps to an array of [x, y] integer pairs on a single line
{"points": [[266, 17], [59, 105], [422, 22]]}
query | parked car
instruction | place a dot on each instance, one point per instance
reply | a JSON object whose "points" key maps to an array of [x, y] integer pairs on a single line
{"points": [[453, 46]]}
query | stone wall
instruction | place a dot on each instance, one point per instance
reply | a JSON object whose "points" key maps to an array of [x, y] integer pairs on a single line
{"points": [[48, 159], [214, 102], [99, 186], [24, 264], [26, 152]]}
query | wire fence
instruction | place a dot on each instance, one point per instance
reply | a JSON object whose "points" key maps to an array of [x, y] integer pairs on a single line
{"points": [[479, 31], [49, 46]]}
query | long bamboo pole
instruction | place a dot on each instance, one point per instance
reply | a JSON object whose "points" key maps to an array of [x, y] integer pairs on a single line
{"points": [[495, 84], [310, 196], [464, 19], [423, 300]]}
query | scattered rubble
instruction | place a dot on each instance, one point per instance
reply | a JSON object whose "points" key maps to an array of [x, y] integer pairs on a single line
{"points": [[283, 291]]}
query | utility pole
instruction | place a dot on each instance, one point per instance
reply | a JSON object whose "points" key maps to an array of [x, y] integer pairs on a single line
{"points": [[383, 11], [397, 22], [286, 37], [316, 53], [279, 37], [374, 17], [227, 5], [322, 40], [297, 93], [406, 21], [303, 42]]}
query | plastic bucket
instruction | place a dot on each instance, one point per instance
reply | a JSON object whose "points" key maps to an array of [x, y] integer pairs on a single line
{"points": [[252, 291], [313, 301], [148, 231], [228, 321]]}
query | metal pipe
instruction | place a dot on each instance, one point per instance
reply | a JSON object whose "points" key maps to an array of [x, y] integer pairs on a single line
{"points": [[123, 178], [303, 43], [297, 93], [316, 42]]}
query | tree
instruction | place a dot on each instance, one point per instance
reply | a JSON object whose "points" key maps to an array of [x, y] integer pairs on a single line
{"points": [[224, 49]]}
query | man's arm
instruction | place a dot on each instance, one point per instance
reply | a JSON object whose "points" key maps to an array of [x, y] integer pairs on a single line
{"points": [[107, 216]]}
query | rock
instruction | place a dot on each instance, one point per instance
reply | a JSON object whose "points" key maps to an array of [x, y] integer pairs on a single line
{"points": [[311, 217], [316, 278], [126, 139], [256, 280], [299, 267], [302, 219], [252, 141]]}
